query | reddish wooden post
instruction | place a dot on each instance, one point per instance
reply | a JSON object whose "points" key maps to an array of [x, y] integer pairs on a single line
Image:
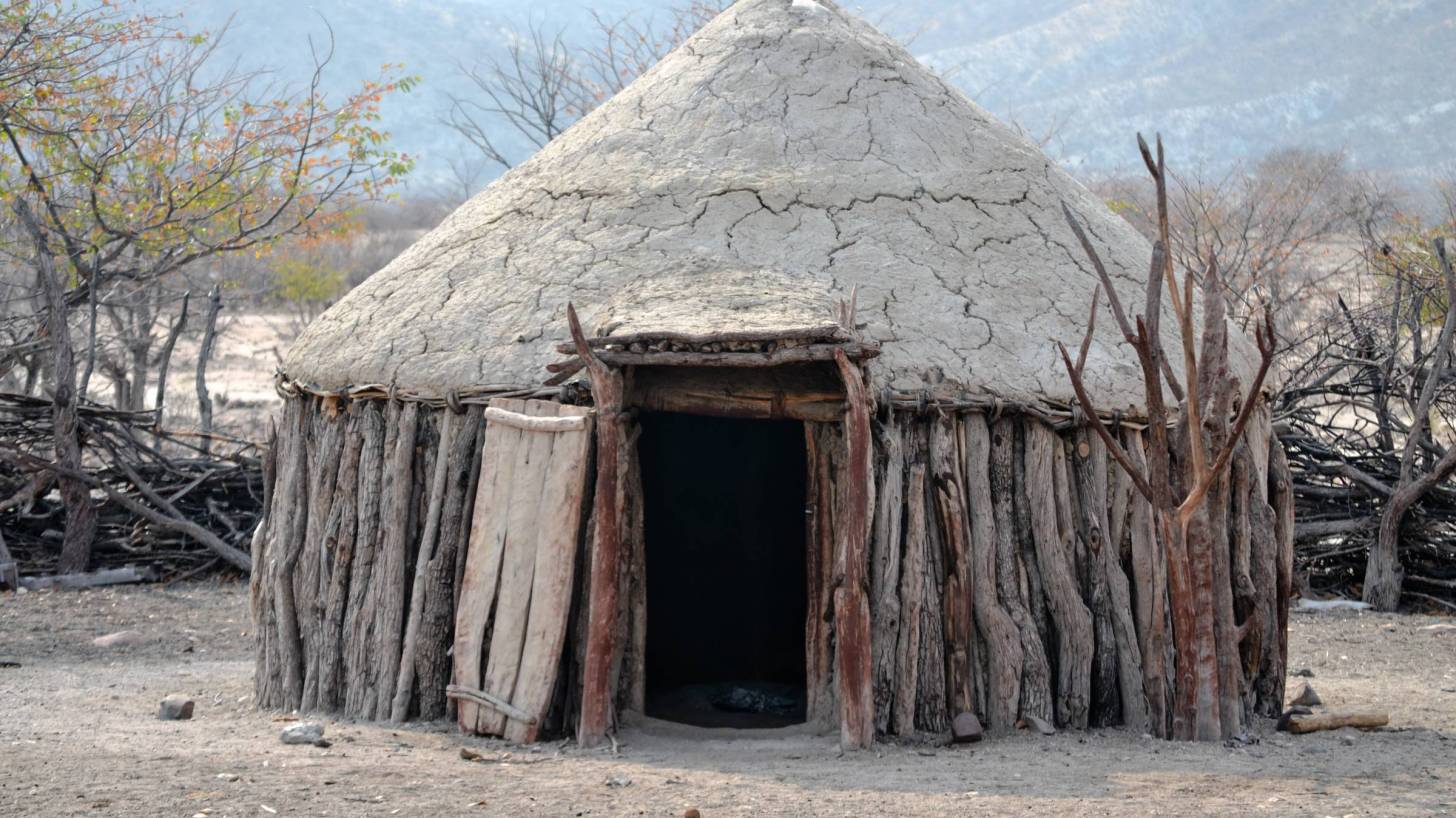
{"points": [[607, 393], [851, 602]]}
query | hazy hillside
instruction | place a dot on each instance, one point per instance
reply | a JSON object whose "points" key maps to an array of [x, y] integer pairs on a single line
{"points": [[1225, 78], [1221, 79]]}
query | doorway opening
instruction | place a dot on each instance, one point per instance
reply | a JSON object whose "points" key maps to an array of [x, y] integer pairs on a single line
{"points": [[726, 575]]}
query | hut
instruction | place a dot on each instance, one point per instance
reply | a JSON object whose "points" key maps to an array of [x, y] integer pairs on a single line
{"points": [[810, 453]]}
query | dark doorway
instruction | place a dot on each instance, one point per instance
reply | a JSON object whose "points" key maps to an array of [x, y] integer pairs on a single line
{"points": [[726, 607]]}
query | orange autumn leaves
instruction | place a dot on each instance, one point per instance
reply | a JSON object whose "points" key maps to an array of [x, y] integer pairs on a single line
{"points": [[135, 143]]}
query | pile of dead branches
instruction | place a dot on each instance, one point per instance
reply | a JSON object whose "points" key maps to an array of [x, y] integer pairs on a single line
{"points": [[165, 504], [1340, 491], [1356, 418]]}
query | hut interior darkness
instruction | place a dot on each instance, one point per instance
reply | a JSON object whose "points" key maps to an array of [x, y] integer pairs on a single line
{"points": [[809, 453], [723, 507]]}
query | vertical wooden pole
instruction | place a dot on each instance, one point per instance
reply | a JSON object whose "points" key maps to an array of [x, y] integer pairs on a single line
{"points": [[1281, 495], [818, 693], [885, 571], [607, 393], [912, 596], [851, 602], [1150, 582], [998, 632], [955, 531], [1071, 619]]}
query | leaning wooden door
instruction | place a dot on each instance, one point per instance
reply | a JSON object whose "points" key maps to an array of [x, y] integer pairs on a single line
{"points": [[515, 594]]}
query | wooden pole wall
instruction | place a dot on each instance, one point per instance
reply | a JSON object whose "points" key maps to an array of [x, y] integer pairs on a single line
{"points": [[1016, 573], [1004, 568], [354, 599]]}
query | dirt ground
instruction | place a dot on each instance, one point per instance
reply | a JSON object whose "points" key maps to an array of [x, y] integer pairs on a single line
{"points": [[79, 736]]}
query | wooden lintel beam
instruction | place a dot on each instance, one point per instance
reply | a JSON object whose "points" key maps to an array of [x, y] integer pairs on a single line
{"points": [[778, 357]]}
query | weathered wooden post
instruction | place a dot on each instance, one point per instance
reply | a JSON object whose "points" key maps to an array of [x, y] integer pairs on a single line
{"points": [[851, 601], [607, 393]]}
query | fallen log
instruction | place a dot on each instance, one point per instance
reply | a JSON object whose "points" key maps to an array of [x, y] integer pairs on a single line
{"points": [[95, 579], [1335, 719]]}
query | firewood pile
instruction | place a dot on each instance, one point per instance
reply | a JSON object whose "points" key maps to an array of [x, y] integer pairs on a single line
{"points": [[1340, 489], [1354, 417], [148, 484]]}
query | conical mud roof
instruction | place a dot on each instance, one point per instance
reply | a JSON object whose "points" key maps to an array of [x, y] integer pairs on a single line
{"points": [[785, 154]]}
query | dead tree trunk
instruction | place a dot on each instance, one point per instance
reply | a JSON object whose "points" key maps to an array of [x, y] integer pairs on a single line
{"points": [[80, 528], [1191, 517], [1383, 573], [209, 336]]}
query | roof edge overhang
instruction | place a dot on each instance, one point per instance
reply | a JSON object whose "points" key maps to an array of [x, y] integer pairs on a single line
{"points": [[1060, 415]]}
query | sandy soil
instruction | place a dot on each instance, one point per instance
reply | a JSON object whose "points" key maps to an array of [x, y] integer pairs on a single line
{"points": [[79, 736]]}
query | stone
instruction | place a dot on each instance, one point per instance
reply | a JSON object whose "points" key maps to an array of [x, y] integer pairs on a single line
{"points": [[227, 776], [1283, 723], [120, 639], [1040, 725], [176, 707], [966, 728], [692, 812], [304, 732], [619, 781], [1306, 697]]}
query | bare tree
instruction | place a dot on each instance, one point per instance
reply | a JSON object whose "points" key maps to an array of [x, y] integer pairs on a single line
{"points": [[129, 158], [1283, 227], [535, 93], [545, 83], [1210, 424], [1383, 571], [1366, 393]]}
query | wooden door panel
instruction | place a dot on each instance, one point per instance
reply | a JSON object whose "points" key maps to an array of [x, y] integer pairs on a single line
{"points": [[515, 595]]}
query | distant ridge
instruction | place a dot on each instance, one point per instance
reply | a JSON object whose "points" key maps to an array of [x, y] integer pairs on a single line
{"points": [[1221, 79]]}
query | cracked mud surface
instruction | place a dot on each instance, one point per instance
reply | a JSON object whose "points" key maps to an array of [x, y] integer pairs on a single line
{"points": [[80, 737], [785, 154]]}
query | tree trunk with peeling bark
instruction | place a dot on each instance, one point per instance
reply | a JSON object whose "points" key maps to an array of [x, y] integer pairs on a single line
{"points": [[80, 528]]}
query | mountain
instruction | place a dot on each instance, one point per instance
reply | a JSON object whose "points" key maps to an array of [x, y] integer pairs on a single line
{"points": [[1221, 79]]}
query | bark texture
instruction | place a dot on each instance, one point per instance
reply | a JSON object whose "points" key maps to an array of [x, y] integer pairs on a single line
{"points": [[1006, 569]]}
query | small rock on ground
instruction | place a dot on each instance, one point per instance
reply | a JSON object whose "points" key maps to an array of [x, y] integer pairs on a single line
{"points": [[1297, 710], [119, 639], [1040, 725], [305, 732], [1306, 697], [965, 728], [176, 707]]}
